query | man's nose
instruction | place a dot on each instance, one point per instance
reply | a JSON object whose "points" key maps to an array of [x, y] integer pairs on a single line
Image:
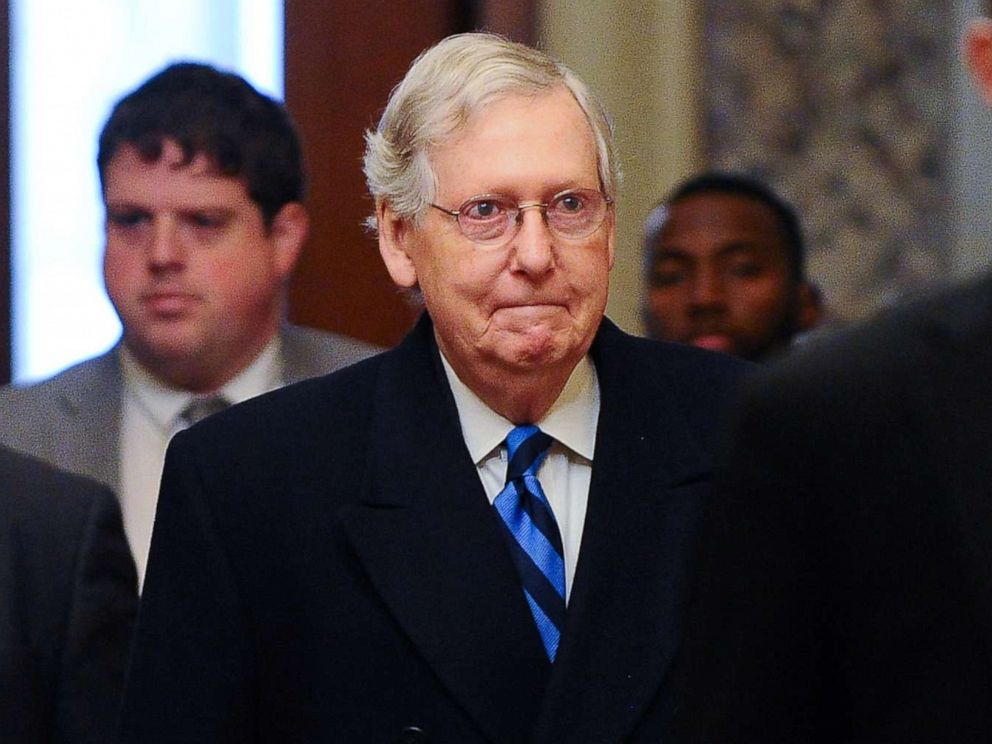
{"points": [[165, 247], [708, 289], [533, 245]]}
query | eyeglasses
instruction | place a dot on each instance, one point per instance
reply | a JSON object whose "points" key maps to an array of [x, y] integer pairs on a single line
{"points": [[492, 220]]}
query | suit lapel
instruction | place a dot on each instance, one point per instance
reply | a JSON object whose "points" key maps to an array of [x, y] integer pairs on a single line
{"points": [[623, 623], [429, 540], [90, 409]]}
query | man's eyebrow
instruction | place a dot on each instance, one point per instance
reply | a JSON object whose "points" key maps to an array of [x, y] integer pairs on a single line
{"points": [[207, 208], [669, 251], [124, 204], [743, 246]]}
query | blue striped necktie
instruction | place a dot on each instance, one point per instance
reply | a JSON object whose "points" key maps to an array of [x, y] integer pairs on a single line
{"points": [[532, 533]]}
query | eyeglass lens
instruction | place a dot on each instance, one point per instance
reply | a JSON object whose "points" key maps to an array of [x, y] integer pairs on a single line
{"points": [[570, 214]]}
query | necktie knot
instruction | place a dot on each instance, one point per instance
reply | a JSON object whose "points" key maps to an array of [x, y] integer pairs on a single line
{"points": [[199, 408], [526, 448]]}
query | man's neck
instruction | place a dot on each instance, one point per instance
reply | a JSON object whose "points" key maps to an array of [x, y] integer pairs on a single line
{"points": [[201, 379], [522, 397]]}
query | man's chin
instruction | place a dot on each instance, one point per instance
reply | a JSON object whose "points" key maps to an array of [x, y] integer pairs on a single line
{"points": [[536, 347], [169, 347]]}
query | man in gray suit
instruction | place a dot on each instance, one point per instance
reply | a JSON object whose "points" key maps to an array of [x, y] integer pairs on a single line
{"points": [[202, 180]]}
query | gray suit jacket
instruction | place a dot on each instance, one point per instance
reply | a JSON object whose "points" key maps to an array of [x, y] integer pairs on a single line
{"points": [[73, 419]]}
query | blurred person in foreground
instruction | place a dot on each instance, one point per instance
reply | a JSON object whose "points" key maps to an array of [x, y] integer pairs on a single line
{"points": [[725, 269], [392, 552], [203, 182], [846, 590], [69, 597]]}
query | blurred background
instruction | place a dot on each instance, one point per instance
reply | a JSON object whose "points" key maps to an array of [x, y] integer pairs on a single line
{"points": [[857, 111]]}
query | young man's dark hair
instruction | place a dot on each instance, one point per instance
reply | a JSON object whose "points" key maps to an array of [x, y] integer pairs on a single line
{"points": [[244, 133], [744, 186]]}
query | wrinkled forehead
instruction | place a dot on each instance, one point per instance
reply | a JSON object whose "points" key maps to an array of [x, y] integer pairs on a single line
{"points": [[457, 116], [548, 125]]}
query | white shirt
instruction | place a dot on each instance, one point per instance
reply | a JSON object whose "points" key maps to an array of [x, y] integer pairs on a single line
{"points": [[566, 471], [150, 417]]}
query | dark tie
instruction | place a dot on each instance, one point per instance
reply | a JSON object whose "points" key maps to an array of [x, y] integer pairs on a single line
{"points": [[199, 408], [532, 533]]}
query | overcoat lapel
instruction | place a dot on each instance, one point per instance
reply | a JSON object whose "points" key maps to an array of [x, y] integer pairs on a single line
{"points": [[623, 620], [429, 540], [956, 393]]}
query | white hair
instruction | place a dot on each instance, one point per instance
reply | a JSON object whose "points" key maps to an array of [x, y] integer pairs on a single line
{"points": [[444, 86]]}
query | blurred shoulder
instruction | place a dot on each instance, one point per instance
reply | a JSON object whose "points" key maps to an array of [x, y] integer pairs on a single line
{"points": [[891, 344], [46, 503], [339, 400], [92, 376], [309, 352]]}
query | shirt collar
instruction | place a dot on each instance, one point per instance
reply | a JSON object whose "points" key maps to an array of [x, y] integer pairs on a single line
{"points": [[571, 420], [163, 403]]}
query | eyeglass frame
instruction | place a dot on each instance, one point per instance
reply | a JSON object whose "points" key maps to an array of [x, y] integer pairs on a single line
{"points": [[512, 231]]}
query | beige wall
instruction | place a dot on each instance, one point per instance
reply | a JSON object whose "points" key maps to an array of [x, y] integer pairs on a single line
{"points": [[640, 57]]}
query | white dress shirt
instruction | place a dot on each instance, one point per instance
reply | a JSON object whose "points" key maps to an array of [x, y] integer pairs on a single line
{"points": [[566, 471], [150, 417]]}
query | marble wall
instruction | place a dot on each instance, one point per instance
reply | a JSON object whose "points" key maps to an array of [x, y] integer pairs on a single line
{"points": [[850, 108]]}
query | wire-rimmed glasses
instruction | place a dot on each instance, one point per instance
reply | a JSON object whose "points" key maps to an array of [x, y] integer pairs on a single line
{"points": [[492, 220]]}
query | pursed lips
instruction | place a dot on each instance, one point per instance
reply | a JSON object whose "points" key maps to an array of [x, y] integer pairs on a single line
{"points": [[531, 305], [169, 301]]}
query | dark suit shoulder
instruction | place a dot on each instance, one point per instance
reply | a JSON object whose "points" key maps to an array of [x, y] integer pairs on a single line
{"points": [[876, 360], [343, 393], [50, 520], [253, 441], [700, 383], [47, 501], [69, 588], [687, 364]]}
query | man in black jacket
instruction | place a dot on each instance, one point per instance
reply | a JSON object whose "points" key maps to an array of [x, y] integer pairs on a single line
{"points": [[846, 590], [481, 536], [68, 593]]}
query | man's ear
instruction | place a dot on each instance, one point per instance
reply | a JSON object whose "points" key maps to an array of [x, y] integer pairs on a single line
{"points": [[397, 236], [288, 232], [977, 51], [611, 228]]}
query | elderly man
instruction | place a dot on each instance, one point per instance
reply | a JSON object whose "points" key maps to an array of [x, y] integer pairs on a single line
{"points": [[846, 591], [482, 535], [724, 267], [202, 182], [69, 601]]}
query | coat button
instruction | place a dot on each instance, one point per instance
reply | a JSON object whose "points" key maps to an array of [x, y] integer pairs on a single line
{"points": [[412, 735]]}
